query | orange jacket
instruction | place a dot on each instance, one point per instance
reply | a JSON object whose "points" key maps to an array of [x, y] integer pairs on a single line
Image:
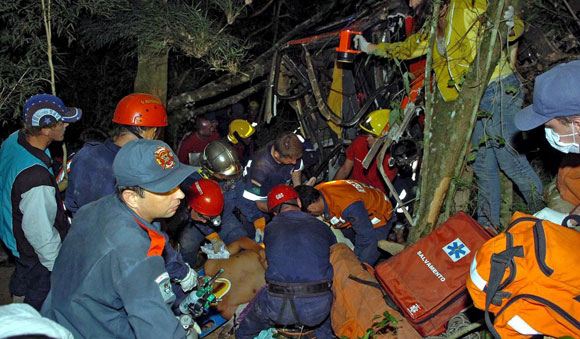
{"points": [[340, 194], [569, 179]]}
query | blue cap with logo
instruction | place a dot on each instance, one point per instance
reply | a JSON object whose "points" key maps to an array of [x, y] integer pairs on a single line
{"points": [[149, 164], [45, 109], [556, 94]]}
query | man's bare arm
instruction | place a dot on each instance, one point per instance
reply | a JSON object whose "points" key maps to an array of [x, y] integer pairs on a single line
{"points": [[344, 170]]}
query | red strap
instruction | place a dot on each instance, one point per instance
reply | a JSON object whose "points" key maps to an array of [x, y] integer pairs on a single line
{"points": [[157, 240]]}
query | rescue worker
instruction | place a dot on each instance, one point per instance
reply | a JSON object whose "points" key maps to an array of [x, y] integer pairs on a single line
{"points": [[137, 115], [373, 127], [241, 130], [220, 163], [33, 222], [193, 143], [110, 278], [556, 106], [457, 36], [206, 203], [363, 213], [298, 273], [279, 162]]}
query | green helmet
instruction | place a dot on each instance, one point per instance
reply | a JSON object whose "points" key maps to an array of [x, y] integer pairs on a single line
{"points": [[220, 158]]}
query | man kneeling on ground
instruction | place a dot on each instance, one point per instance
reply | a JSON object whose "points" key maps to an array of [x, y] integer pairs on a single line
{"points": [[298, 273]]}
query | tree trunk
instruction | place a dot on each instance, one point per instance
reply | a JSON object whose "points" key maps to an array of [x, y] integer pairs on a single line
{"points": [[449, 126], [152, 70]]}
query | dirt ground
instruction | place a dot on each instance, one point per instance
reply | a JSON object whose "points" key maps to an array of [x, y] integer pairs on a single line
{"points": [[6, 270]]}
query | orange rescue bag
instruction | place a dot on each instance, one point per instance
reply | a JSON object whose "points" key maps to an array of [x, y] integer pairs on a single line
{"points": [[529, 277]]}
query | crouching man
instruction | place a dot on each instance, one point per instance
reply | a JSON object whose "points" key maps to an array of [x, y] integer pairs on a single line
{"points": [[361, 212], [109, 279], [298, 273]]}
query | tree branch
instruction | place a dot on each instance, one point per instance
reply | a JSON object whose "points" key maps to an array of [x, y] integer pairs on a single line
{"points": [[229, 100], [253, 71]]}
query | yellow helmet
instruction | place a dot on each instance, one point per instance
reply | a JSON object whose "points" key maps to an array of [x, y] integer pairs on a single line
{"points": [[242, 128], [377, 122]]}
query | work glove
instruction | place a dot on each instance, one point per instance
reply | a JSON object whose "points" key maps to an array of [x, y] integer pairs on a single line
{"points": [[259, 225], [259, 237], [361, 43], [217, 244], [508, 16], [190, 280]]}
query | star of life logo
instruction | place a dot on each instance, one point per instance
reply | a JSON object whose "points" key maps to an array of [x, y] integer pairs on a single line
{"points": [[456, 250], [413, 309]]}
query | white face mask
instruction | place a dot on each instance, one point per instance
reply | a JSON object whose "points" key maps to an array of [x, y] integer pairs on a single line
{"points": [[564, 147]]}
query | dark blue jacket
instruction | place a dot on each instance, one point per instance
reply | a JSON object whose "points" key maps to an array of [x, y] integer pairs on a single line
{"points": [[298, 248], [91, 175], [231, 228], [107, 282], [264, 169]]}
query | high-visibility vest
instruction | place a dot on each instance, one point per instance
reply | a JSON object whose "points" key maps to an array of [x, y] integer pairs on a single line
{"points": [[340, 194]]}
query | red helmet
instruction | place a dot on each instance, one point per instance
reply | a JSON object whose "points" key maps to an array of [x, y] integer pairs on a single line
{"points": [[140, 109], [206, 197], [280, 194]]}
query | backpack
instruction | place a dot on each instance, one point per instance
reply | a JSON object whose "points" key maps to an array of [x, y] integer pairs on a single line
{"points": [[529, 277]]}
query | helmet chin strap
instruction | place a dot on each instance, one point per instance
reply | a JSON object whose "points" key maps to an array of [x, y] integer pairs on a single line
{"points": [[136, 131]]}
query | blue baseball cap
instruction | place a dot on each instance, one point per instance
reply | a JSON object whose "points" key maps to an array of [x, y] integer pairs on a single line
{"points": [[44, 109], [149, 164], [556, 94]]}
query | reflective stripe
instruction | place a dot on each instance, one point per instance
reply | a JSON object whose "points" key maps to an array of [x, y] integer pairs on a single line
{"points": [[401, 209], [253, 197], [301, 166], [247, 167], [403, 194], [475, 277], [520, 325]]}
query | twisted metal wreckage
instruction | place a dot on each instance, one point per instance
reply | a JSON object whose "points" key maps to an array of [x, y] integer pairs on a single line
{"points": [[329, 98]]}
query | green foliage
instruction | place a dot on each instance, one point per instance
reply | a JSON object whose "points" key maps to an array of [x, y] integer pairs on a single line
{"points": [[382, 324], [23, 61], [183, 26]]}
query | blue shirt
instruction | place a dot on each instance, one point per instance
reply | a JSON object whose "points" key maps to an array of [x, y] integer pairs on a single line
{"points": [[267, 172], [91, 176], [298, 248], [106, 284]]}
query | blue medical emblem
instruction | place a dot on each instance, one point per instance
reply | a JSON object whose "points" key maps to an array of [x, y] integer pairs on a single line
{"points": [[456, 250]]}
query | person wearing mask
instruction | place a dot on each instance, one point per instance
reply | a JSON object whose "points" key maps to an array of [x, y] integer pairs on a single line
{"points": [[556, 107], [298, 271], [219, 163], [110, 279], [33, 222]]}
